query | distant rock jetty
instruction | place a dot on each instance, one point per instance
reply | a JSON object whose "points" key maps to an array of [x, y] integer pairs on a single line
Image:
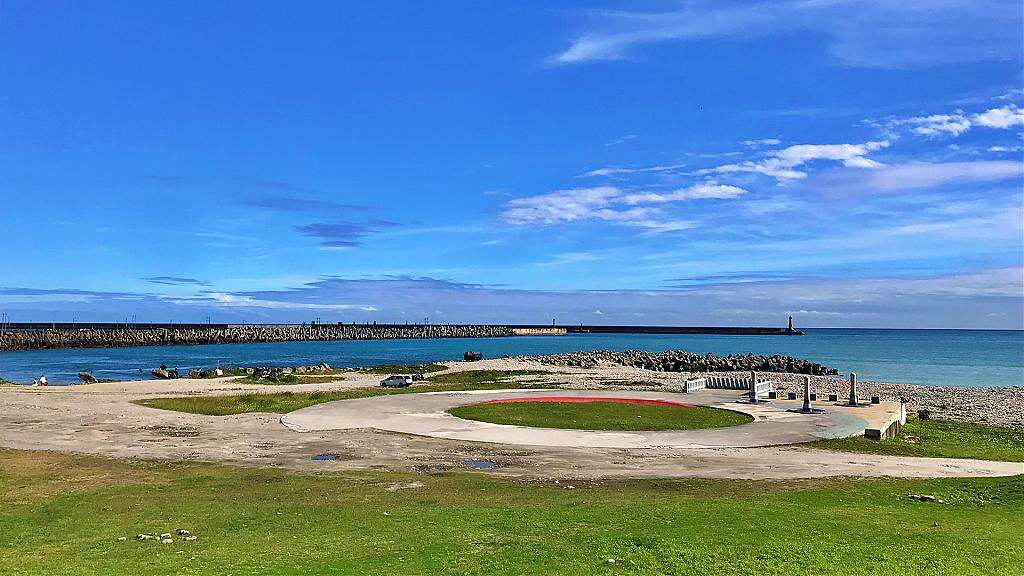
{"points": [[680, 361], [142, 336]]}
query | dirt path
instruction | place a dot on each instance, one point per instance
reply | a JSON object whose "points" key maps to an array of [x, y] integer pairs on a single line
{"points": [[102, 419]]}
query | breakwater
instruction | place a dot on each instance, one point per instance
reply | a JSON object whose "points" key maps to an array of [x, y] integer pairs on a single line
{"points": [[38, 336], [121, 337], [680, 361]]}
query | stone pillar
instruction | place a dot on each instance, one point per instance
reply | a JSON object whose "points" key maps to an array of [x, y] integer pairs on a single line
{"points": [[807, 395], [753, 386], [853, 388]]}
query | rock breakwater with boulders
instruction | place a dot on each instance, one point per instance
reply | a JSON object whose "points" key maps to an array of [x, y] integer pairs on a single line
{"points": [[681, 361], [125, 337]]}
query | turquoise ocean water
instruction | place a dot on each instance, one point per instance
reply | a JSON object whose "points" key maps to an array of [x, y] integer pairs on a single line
{"points": [[934, 357]]}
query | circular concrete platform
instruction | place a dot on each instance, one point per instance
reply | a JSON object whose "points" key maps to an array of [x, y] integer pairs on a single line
{"points": [[426, 414]]}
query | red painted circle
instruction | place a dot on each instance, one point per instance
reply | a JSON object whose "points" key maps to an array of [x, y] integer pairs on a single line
{"points": [[588, 400]]}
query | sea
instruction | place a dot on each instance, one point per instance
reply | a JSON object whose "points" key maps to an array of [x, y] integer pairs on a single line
{"points": [[930, 357]]}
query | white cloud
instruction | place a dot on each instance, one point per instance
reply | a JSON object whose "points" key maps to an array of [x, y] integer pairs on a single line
{"points": [[704, 190], [782, 164], [1005, 117], [612, 204], [762, 142], [956, 123], [940, 124], [560, 206]]}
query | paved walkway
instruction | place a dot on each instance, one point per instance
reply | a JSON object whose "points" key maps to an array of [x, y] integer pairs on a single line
{"points": [[427, 415]]}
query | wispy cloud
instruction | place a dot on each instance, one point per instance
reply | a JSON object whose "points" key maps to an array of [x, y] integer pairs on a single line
{"points": [[284, 186], [622, 140], [783, 164], [343, 234], [886, 33], [614, 171], [915, 176], [176, 281], [989, 298], [298, 204]]}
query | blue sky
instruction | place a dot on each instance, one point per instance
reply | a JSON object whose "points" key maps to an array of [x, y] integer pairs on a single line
{"points": [[852, 163]]}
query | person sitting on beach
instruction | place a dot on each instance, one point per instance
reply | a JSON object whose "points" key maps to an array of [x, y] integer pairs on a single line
{"points": [[42, 380]]}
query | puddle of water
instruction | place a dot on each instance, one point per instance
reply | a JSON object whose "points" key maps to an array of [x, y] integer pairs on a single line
{"points": [[322, 457], [480, 464]]}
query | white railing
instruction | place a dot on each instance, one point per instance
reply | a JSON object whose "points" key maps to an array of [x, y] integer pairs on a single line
{"points": [[727, 383]]}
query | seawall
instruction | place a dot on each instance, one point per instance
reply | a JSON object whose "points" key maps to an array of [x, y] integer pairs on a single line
{"points": [[121, 337]]}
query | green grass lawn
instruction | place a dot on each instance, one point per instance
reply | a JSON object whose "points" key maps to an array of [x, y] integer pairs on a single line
{"points": [[62, 514], [287, 379], [601, 416], [941, 438], [284, 402]]}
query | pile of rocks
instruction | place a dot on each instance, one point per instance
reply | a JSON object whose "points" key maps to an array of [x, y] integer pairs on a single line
{"points": [[681, 361], [165, 538], [122, 337], [274, 374]]}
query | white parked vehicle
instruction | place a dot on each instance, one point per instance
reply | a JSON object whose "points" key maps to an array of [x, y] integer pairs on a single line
{"points": [[397, 381]]}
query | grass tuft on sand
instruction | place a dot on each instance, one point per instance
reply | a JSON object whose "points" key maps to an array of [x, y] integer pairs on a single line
{"points": [[483, 376], [940, 439], [403, 368], [63, 514], [601, 415]]}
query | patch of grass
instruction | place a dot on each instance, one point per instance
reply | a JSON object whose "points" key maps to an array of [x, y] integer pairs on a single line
{"points": [[403, 368], [601, 416], [482, 376], [940, 439], [63, 513], [284, 402]]}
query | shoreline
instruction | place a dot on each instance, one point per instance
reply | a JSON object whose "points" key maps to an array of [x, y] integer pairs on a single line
{"points": [[992, 405]]}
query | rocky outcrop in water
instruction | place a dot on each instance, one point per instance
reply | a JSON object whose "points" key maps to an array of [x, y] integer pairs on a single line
{"points": [[124, 337], [680, 361], [87, 378]]}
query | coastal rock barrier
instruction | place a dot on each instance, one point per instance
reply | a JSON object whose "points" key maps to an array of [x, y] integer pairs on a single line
{"points": [[125, 337], [681, 361]]}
